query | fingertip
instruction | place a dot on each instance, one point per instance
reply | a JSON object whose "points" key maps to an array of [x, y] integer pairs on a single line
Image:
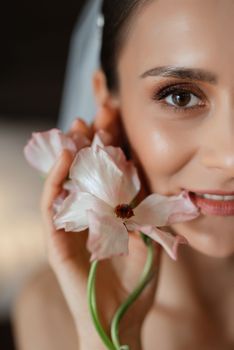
{"points": [[79, 125], [75, 122], [78, 122]]}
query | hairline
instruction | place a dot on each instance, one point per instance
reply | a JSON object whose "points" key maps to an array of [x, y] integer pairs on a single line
{"points": [[125, 32]]}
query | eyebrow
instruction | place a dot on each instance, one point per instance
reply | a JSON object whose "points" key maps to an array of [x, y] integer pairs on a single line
{"points": [[182, 73]]}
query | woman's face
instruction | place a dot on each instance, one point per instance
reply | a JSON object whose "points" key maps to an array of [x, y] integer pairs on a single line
{"points": [[180, 121]]}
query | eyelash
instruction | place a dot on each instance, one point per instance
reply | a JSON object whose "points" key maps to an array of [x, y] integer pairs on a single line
{"points": [[168, 90]]}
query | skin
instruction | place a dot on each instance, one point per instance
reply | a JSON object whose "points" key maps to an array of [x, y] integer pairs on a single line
{"points": [[193, 307], [191, 149]]}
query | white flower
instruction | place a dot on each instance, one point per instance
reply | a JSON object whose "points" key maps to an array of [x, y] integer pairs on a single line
{"points": [[44, 148], [106, 185]]}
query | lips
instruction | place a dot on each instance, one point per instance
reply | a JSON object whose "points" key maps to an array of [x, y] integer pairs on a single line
{"points": [[218, 192], [212, 206]]}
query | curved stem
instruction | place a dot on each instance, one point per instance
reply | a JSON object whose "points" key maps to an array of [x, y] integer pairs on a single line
{"points": [[145, 278], [93, 307]]}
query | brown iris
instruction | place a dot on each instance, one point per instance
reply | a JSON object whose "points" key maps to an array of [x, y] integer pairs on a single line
{"points": [[182, 98], [124, 211]]}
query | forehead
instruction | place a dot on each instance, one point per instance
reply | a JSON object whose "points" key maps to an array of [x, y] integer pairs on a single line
{"points": [[181, 32]]}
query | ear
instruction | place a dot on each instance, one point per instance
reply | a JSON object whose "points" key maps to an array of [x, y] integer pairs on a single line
{"points": [[108, 104]]}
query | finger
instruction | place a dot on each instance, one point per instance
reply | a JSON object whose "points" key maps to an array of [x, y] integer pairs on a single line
{"points": [[60, 245], [54, 182], [79, 125]]}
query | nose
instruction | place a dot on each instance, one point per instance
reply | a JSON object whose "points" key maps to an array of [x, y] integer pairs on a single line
{"points": [[217, 149]]}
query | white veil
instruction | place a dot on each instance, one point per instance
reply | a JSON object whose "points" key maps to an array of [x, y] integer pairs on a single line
{"points": [[78, 97]]}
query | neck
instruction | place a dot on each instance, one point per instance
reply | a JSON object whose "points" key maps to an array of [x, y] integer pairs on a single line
{"points": [[198, 285], [203, 266]]}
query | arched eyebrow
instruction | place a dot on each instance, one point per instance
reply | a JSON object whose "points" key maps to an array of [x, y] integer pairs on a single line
{"points": [[182, 73]]}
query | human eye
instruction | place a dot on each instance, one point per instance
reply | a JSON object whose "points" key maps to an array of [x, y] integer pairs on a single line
{"points": [[180, 97]]}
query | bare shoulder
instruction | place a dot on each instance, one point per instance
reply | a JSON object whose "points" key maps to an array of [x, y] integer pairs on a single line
{"points": [[42, 321], [41, 317]]}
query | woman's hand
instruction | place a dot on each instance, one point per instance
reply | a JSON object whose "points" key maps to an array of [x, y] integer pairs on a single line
{"points": [[116, 277]]}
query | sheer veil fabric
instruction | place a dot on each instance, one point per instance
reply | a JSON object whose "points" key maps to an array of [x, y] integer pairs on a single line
{"points": [[83, 59]]}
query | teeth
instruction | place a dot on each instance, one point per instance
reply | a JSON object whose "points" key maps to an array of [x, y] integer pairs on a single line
{"points": [[216, 197]]}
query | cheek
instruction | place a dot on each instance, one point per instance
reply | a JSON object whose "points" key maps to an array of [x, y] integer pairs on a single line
{"points": [[160, 149]]}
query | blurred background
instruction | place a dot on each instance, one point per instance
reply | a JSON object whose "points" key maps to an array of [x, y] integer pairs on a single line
{"points": [[34, 39]]}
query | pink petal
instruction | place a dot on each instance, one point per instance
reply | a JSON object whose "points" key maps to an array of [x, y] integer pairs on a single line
{"points": [[44, 148], [131, 183], [169, 242], [58, 202], [107, 236], [186, 210], [72, 215], [95, 172], [106, 173], [118, 156], [158, 210], [70, 186], [101, 139]]}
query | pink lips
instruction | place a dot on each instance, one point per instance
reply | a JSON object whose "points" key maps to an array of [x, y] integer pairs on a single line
{"points": [[213, 207], [218, 192]]}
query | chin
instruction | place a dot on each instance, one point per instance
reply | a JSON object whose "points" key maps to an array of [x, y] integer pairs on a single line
{"points": [[219, 252], [211, 236]]}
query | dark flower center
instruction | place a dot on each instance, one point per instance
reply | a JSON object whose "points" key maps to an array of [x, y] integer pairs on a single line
{"points": [[124, 211]]}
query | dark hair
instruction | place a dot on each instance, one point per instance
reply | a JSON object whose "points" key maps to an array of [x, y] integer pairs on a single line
{"points": [[117, 16]]}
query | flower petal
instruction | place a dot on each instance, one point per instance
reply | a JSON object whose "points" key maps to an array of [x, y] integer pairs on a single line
{"points": [[101, 138], [72, 215], [58, 202], [169, 242], [110, 164], [131, 182], [158, 210], [185, 210], [107, 236], [44, 148], [95, 172], [70, 186]]}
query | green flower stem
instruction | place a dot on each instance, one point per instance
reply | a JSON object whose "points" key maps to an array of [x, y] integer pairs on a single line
{"points": [[93, 307], [145, 278]]}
